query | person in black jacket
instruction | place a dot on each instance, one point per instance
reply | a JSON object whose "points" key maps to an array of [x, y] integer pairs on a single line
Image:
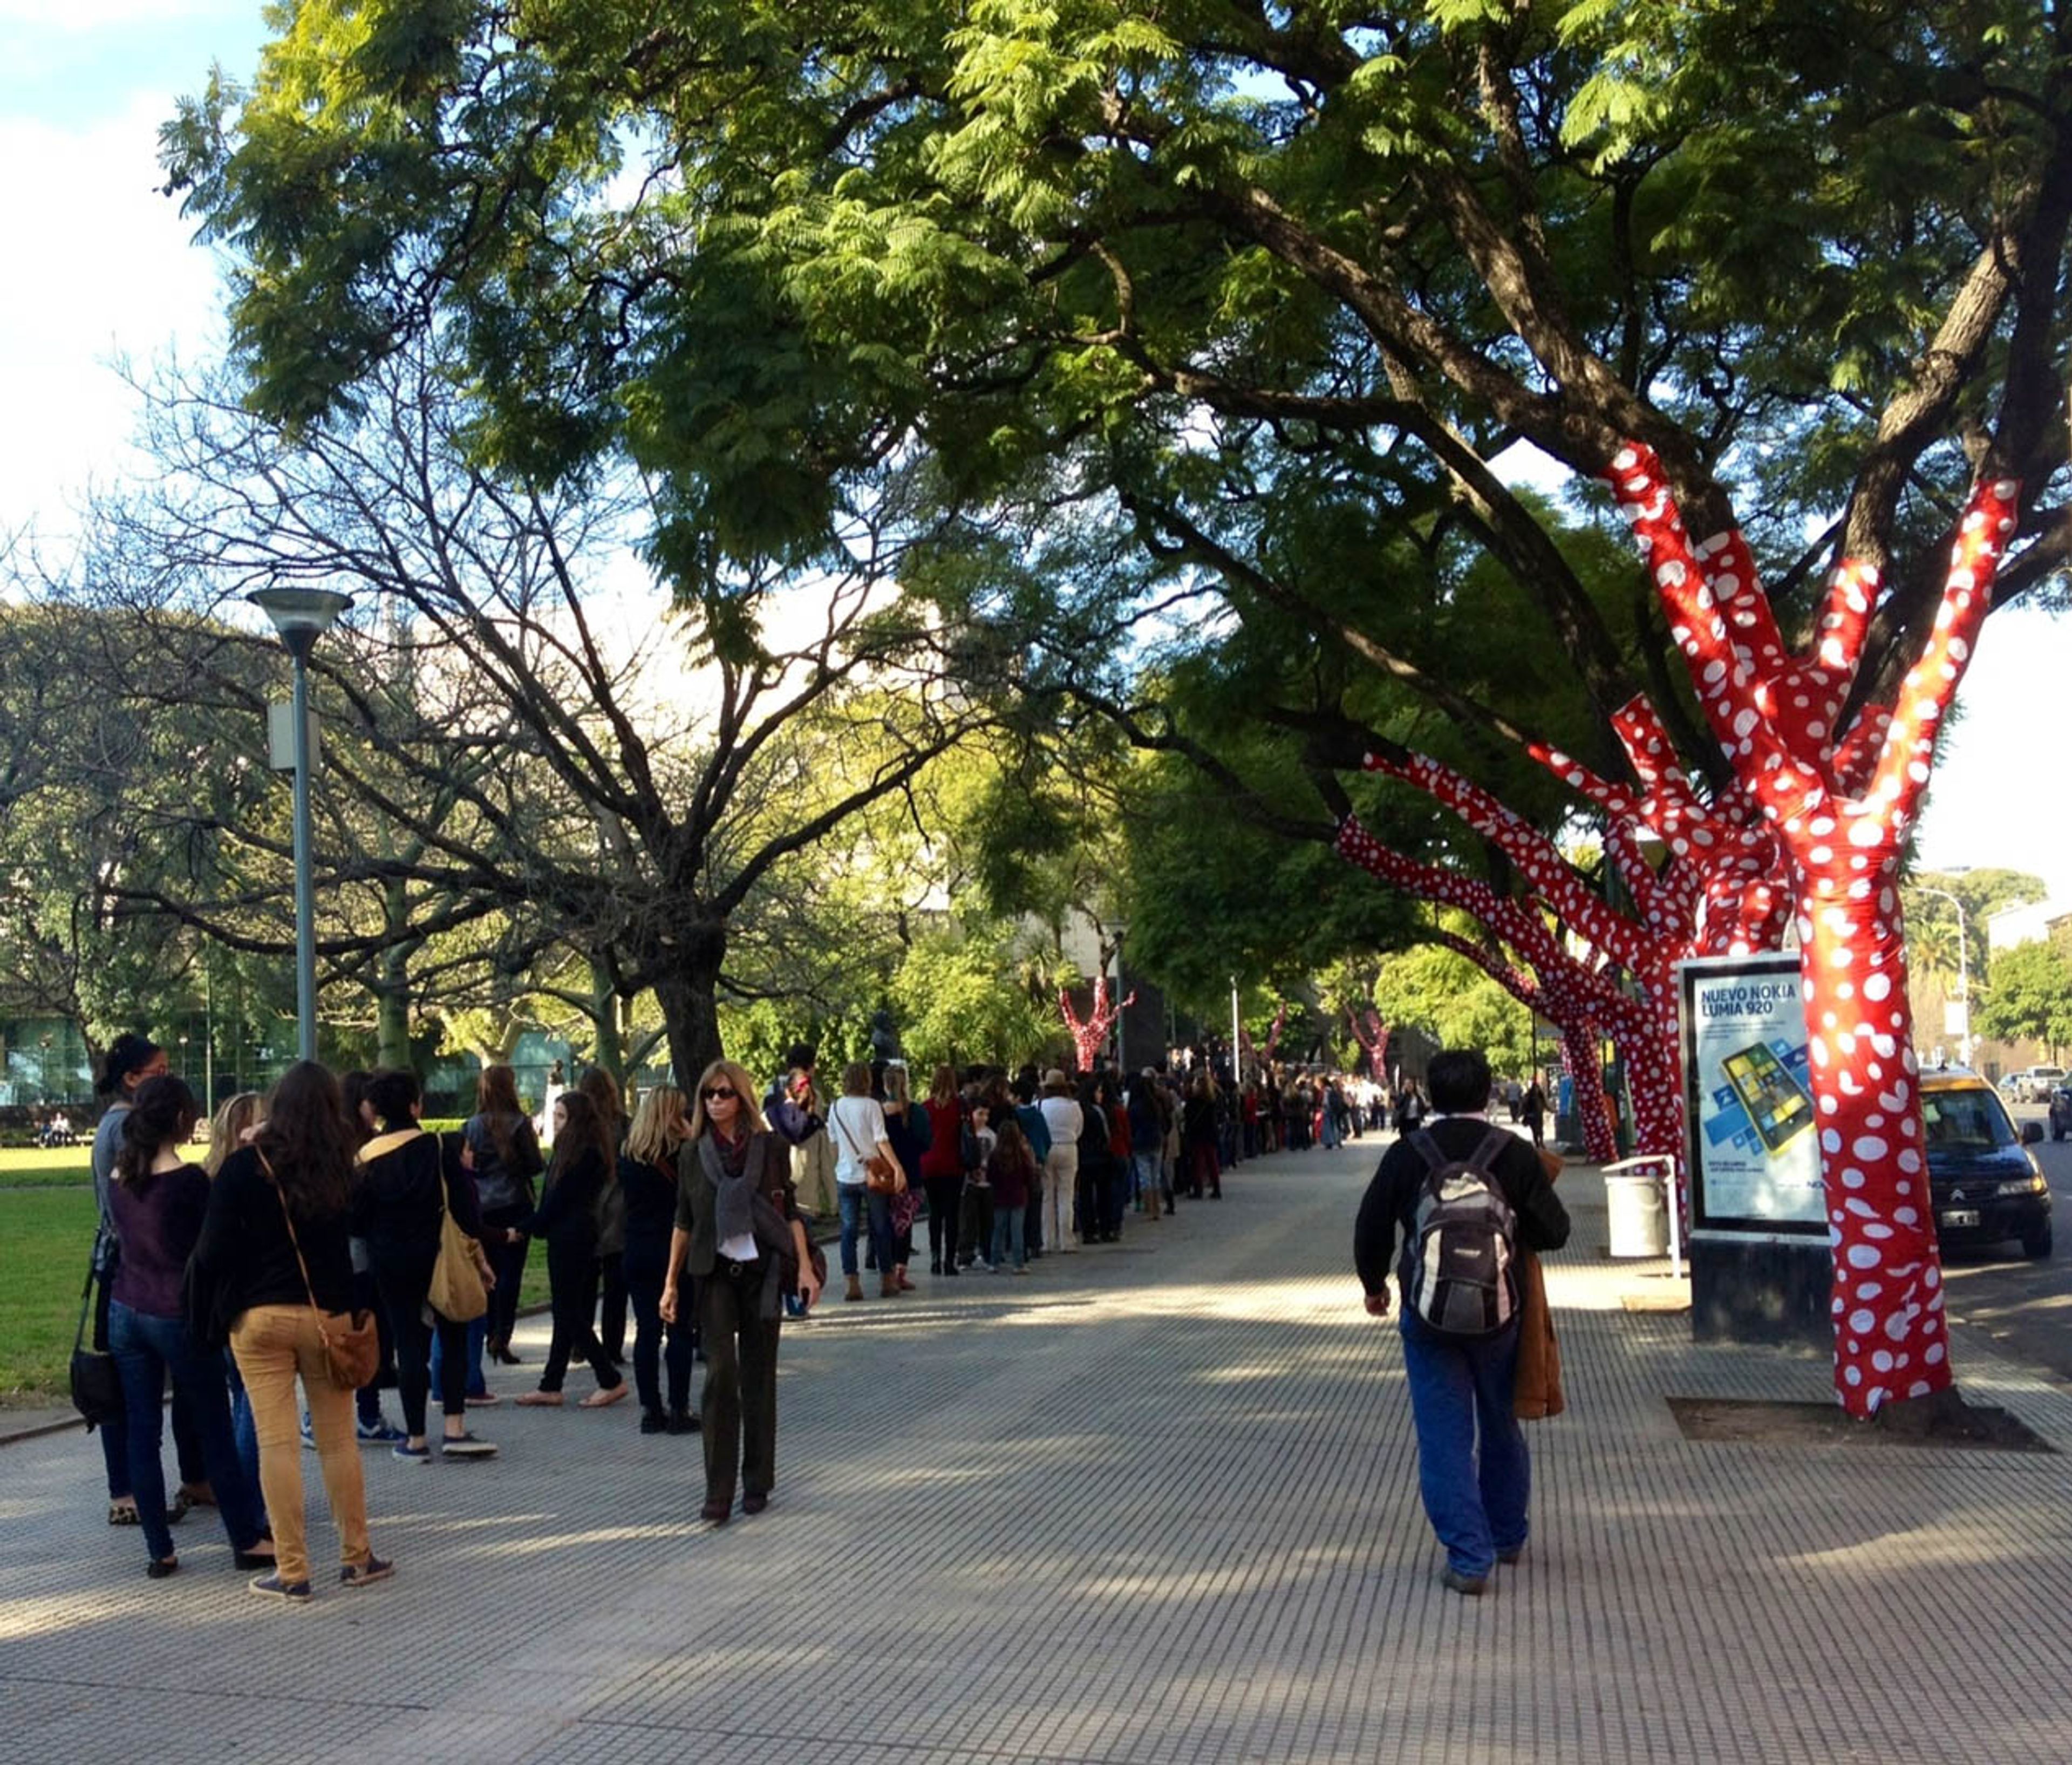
{"points": [[647, 1181], [739, 1233], [1461, 1384], [400, 1199], [504, 1154], [584, 1158], [268, 1286]]}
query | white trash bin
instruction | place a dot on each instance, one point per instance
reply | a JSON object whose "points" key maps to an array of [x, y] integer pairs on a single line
{"points": [[1636, 1218]]}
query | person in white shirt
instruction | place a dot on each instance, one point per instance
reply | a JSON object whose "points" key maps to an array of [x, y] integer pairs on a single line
{"points": [[856, 1129], [1063, 1116]]}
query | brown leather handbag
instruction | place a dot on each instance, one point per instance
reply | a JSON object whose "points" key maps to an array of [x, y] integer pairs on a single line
{"points": [[351, 1341]]}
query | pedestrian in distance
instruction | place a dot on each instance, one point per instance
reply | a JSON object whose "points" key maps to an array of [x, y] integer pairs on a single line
{"points": [[739, 1235], [1466, 1196], [502, 1151]]}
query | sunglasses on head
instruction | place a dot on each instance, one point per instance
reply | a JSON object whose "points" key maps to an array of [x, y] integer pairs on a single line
{"points": [[711, 1092]]}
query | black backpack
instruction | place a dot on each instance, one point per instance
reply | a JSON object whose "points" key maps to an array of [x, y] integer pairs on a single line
{"points": [[1456, 1263]]}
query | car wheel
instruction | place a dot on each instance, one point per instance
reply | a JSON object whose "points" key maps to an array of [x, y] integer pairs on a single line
{"points": [[2035, 1245]]}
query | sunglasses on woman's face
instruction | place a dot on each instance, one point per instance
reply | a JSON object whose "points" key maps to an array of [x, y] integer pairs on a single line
{"points": [[717, 1092]]}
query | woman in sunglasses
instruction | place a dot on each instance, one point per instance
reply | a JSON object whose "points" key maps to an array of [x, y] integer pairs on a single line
{"points": [[740, 1235]]}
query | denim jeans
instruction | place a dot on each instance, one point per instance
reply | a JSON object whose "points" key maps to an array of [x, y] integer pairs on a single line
{"points": [[477, 1340], [146, 1349], [855, 1200], [1476, 1502], [1007, 1236]]}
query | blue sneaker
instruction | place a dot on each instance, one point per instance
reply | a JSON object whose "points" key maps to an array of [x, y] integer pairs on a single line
{"points": [[421, 1455], [272, 1587], [380, 1432]]}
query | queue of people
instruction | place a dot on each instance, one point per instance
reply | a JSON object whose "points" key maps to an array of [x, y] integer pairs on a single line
{"points": [[315, 1248]]}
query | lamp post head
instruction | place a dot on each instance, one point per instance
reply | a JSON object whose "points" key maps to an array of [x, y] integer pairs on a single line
{"points": [[301, 615]]}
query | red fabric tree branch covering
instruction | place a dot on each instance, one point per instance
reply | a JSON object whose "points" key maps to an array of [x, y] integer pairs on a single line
{"points": [[1580, 1001], [1842, 803], [1090, 1034], [1371, 1034]]}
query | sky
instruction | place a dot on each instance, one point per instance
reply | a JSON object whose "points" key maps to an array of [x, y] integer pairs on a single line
{"points": [[104, 270]]}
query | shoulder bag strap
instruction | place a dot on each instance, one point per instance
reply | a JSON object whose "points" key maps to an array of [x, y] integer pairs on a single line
{"points": [[834, 1115], [85, 1300], [288, 1220], [1427, 1149], [1486, 1155]]}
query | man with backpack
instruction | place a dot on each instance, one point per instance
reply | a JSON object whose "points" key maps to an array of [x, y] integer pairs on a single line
{"points": [[1467, 1196]]}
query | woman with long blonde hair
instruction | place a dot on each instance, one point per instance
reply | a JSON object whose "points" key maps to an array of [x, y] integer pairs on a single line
{"points": [[647, 1181], [740, 1235]]}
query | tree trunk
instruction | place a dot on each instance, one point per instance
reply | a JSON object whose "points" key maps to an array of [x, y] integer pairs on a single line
{"points": [[688, 993], [1586, 1092], [609, 1050], [1890, 1339], [392, 982]]}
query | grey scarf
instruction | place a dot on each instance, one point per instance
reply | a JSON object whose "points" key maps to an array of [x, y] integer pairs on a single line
{"points": [[735, 1192]]}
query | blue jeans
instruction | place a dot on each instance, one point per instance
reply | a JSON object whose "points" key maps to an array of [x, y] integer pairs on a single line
{"points": [[146, 1349], [1007, 1224], [1477, 1505], [477, 1340], [854, 1198]]}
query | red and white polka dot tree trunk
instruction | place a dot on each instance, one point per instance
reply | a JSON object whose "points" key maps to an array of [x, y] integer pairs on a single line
{"points": [[1371, 1034], [1843, 804], [1090, 1033], [1576, 997]]}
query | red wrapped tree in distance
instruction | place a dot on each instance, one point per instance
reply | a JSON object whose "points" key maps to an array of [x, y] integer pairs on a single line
{"points": [[1090, 1033], [1371, 1034], [1841, 803]]}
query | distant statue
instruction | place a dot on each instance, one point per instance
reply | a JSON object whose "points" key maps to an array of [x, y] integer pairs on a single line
{"points": [[884, 1038]]}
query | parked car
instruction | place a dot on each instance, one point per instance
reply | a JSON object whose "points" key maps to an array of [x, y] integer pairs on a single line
{"points": [[2034, 1084], [2061, 1111], [1983, 1180]]}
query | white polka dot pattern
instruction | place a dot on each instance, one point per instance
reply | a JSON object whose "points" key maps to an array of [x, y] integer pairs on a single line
{"points": [[1841, 806]]}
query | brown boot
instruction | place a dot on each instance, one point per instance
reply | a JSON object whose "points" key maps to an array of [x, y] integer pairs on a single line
{"points": [[855, 1288], [888, 1286]]}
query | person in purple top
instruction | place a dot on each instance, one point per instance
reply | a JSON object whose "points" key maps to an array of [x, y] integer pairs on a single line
{"points": [[156, 1203]]}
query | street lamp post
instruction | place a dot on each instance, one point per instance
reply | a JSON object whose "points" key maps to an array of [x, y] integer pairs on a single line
{"points": [[1963, 972], [1121, 1058], [302, 616]]}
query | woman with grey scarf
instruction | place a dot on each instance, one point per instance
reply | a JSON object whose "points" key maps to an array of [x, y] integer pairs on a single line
{"points": [[739, 1233]]}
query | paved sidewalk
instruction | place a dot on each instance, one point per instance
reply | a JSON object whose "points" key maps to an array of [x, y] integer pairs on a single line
{"points": [[1156, 1503]]}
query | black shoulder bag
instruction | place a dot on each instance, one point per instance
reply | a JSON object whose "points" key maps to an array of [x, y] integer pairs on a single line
{"points": [[97, 1383]]}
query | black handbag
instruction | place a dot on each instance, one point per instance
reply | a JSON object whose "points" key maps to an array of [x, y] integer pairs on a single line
{"points": [[96, 1382]]}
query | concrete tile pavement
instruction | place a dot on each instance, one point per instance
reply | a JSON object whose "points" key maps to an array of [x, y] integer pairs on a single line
{"points": [[1156, 1503]]}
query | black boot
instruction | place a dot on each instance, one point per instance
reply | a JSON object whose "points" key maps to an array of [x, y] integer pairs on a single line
{"points": [[653, 1422]]}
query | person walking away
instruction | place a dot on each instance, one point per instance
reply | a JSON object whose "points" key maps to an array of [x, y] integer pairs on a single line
{"points": [[1065, 1121], [503, 1154], [1466, 1196], [739, 1235], [1013, 1173], [1534, 1109], [567, 1217], [157, 1202], [272, 1267], [647, 1179], [603, 1090], [400, 1197], [856, 1125]]}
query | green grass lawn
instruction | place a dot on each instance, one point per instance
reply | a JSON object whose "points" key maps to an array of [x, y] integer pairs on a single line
{"points": [[57, 1167], [45, 1234]]}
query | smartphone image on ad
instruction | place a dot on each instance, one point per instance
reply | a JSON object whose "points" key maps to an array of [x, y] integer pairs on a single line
{"points": [[1777, 1104]]}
